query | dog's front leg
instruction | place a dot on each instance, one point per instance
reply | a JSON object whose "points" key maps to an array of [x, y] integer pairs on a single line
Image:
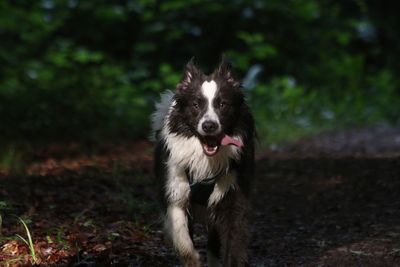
{"points": [[233, 229], [176, 221], [177, 227]]}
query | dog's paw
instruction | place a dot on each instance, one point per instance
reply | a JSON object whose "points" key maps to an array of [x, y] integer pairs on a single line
{"points": [[191, 260]]}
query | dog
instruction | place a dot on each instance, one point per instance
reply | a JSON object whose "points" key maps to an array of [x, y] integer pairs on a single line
{"points": [[204, 156]]}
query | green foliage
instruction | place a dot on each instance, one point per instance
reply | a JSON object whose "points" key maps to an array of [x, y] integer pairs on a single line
{"points": [[94, 69], [11, 159], [28, 242], [3, 206]]}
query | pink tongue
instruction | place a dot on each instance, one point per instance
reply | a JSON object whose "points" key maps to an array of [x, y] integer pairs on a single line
{"points": [[227, 140]]}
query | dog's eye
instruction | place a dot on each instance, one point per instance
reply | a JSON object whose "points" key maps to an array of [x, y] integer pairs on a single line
{"points": [[222, 104], [196, 105]]}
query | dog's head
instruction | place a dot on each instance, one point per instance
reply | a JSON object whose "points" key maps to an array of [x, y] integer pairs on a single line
{"points": [[208, 106]]}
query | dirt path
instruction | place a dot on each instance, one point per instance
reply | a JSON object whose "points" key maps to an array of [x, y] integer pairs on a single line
{"points": [[328, 212], [333, 200]]}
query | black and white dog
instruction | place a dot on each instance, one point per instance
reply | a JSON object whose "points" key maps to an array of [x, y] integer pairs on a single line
{"points": [[205, 158]]}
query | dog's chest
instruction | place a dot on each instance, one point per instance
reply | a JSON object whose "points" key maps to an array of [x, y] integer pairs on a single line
{"points": [[187, 153]]}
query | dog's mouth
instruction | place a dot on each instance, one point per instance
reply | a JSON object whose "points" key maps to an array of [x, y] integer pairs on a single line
{"points": [[211, 144]]}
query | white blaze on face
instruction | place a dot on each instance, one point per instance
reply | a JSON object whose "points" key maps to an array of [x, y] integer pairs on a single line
{"points": [[209, 89]]}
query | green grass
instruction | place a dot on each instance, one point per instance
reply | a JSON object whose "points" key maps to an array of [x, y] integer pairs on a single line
{"points": [[28, 241]]}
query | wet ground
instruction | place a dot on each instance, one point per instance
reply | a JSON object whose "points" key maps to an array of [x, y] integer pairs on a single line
{"points": [[330, 200]]}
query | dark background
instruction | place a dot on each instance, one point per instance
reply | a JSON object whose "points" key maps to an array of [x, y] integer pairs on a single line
{"points": [[78, 82], [93, 69]]}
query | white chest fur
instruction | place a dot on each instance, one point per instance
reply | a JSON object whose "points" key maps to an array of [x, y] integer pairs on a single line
{"points": [[187, 153]]}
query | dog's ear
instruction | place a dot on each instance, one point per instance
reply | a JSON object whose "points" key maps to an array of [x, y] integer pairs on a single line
{"points": [[225, 71], [190, 72]]}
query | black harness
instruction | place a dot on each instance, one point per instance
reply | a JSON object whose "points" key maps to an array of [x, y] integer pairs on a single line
{"points": [[200, 192]]}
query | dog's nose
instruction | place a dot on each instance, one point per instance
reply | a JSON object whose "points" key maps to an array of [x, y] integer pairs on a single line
{"points": [[209, 127]]}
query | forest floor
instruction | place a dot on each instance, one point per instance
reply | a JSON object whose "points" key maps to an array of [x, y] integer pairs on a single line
{"points": [[329, 200]]}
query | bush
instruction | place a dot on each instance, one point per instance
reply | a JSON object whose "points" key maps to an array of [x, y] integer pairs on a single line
{"points": [[73, 69]]}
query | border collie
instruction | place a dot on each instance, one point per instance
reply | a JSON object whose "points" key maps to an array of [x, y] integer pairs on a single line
{"points": [[204, 157]]}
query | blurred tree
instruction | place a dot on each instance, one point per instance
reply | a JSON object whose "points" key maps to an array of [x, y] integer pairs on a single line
{"points": [[74, 68]]}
